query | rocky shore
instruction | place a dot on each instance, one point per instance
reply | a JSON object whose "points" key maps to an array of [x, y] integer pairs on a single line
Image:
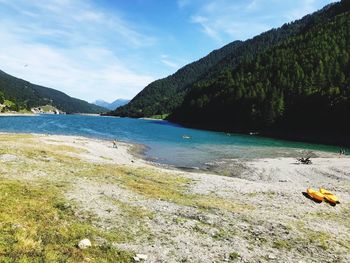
{"points": [[248, 211]]}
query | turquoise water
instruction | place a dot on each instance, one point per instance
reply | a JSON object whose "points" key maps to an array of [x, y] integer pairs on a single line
{"points": [[165, 141]]}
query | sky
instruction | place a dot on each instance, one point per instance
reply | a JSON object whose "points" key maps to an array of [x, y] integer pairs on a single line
{"points": [[109, 49]]}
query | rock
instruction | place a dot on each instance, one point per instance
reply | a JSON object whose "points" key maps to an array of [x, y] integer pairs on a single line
{"points": [[8, 158], [84, 244], [17, 226], [136, 259], [271, 256], [141, 257]]}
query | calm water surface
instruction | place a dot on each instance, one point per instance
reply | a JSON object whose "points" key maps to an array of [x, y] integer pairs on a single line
{"points": [[165, 141]]}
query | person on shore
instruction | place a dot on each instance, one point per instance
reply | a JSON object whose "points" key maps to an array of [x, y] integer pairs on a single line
{"points": [[115, 144]]}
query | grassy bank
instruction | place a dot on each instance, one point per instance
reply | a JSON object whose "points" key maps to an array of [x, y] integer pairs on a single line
{"points": [[37, 225]]}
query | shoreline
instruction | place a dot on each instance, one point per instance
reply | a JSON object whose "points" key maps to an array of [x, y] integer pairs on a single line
{"points": [[18, 114], [252, 211], [217, 166], [302, 137], [151, 119]]}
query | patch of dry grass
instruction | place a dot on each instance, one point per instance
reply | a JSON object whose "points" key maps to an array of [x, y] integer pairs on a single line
{"points": [[156, 184], [37, 226]]}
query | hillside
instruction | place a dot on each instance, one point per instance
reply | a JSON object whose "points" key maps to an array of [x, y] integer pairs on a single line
{"points": [[113, 105], [164, 95], [26, 95], [298, 87]]}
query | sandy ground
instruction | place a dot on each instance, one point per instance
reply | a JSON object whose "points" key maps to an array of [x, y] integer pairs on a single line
{"points": [[15, 114], [273, 222]]}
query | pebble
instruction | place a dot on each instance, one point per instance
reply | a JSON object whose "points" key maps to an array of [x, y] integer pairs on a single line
{"points": [[140, 257], [16, 226], [84, 244]]}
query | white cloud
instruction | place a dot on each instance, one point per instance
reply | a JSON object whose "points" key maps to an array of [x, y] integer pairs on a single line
{"points": [[227, 20], [166, 60], [305, 7], [208, 27], [183, 3], [253, 5], [68, 45], [223, 19], [93, 73]]}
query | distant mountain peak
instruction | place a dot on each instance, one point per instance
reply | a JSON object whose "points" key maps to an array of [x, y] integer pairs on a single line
{"points": [[113, 105]]}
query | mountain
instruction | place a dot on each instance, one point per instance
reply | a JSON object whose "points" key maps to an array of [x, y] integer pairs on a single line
{"points": [[113, 105], [290, 82], [164, 95], [299, 88], [26, 95]]}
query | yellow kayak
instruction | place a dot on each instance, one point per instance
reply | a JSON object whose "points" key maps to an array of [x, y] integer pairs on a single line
{"points": [[316, 195], [329, 196]]}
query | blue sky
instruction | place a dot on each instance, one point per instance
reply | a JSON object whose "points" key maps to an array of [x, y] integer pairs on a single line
{"points": [[108, 49]]}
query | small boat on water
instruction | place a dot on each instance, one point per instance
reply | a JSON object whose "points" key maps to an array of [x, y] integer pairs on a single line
{"points": [[330, 197], [186, 137], [316, 195]]}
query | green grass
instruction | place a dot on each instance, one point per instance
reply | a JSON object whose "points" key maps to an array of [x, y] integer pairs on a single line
{"points": [[25, 111], [159, 117], [309, 237], [234, 256], [282, 244], [9, 103], [37, 226], [160, 185], [48, 108]]}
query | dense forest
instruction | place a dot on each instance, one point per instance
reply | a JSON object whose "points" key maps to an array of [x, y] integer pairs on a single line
{"points": [[23, 95], [291, 82], [164, 95], [301, 86]]}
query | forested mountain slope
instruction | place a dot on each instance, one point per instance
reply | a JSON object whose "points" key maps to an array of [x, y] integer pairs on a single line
{"points": [[26, 95], [163, 96], [301, 85]]}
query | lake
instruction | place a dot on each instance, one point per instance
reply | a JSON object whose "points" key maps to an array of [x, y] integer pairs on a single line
{"points": [[166, 143]]}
